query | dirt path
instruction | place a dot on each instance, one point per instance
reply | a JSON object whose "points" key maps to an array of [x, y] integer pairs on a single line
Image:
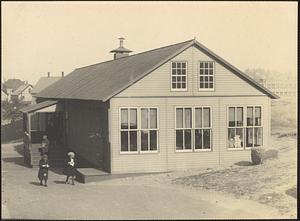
{"points": [[127, 198]]}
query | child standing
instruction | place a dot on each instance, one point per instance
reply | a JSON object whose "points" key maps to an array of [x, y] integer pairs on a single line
{"points": [[43, 170], [45, 145], [70, 170]]}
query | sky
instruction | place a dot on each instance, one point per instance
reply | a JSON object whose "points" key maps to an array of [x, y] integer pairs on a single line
{"points": [[41, 37]]}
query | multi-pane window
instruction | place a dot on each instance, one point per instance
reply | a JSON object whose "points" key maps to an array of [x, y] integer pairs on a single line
{"points": [[179, 76], [183, 128], [235, 127], [254, 127], [244, 132], [149, 129], [139, 137], [193, 128], [206, 75], [129, 130], [202, 128]]}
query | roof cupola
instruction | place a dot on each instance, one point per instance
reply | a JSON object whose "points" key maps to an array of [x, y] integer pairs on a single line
{"points": [[121, 52]]}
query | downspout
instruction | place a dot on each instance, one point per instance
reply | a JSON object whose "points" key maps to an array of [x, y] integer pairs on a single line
{"points": [[219, 142], [166, 139]]}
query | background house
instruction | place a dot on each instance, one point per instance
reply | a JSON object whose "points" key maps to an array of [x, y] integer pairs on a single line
{"points": [[176, 107], [22, 93], [43, 83], [4, 95]]}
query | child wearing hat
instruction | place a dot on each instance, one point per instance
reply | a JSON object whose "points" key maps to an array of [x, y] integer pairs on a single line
{"points": [[43, 170], [70, 170]]}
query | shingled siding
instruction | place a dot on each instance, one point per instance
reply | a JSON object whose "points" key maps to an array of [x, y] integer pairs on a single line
{"points": [[158, 83], [167, 159], [87, 131]]}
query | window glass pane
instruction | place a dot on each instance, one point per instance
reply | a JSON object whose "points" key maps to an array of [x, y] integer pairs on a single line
{"points": [[133, 119], [178, 85], [239, 116], [178, 65], [201, 65], [124, 141], [249, 137], [183, 65], [179, 139], [153, 118], [124, 119], [238, 138], [173, 85], [153, 140], [206, 139], [188, 117], [179, 118], [198, 139], [231, 117], [210, 65], [173, 71], [133, 141], [201, 85], [173, 79], [188, 139], [173, 65], [257, 116], [231, 134], [206, 117], [249, 116], [144, 118], [183, 85], [198, 117], [144, 140], [211, 85], [206, 64], [258, 136]]}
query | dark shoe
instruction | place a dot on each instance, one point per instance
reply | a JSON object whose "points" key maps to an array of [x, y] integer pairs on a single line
{"points": [[46, 185], [73, 183]]}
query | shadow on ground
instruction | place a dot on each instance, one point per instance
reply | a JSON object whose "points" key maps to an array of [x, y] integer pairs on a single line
{"points": [[56, 170], [19, 149], [35, 183], [16, 160], [244, 163], [59, 181], [292, 192]]}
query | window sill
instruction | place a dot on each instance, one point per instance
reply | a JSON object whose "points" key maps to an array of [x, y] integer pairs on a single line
{"points": [[203, 150], [149, 152], [184, 151], [128, 152], [180, 90], [206, 89]]}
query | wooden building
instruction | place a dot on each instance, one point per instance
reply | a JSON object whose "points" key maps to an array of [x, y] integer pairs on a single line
{"points": [[176, 107]]}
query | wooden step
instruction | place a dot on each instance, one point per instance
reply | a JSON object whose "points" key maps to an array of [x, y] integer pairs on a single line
{"points": [[86, 175]]}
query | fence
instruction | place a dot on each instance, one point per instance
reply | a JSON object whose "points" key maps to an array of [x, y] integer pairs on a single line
{"points": [[12, 131]]}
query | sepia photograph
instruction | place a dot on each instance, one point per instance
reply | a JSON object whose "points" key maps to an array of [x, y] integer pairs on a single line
{"points": [[149, 110]]}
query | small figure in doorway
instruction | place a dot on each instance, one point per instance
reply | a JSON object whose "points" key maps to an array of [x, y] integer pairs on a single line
{"points": [[43, 170], [70, 170], [45, 145]]}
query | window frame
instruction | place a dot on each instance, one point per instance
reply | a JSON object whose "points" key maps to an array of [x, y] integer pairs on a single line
{"points": [[138, 151], [203, 128], [235, 127], [198, 76], [244, 125], [186, 75], [261, 126], [193, 149]]}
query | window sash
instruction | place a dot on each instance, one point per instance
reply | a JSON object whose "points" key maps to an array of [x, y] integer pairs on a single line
{"points": [[179, 75], [141, 126], [248, 119], [206, 75], [182, 130]]}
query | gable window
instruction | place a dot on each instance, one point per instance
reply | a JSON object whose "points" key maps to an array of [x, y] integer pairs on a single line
{"points": [[141, 136], [193, 128], [179, 76], [206, 75], [244, 127]]}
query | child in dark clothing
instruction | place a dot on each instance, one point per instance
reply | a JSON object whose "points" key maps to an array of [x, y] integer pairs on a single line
{"points": [[43, 170], [70, 170]]}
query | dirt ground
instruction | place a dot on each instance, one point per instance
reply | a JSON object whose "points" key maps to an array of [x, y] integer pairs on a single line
{"points": [[139, 197]]}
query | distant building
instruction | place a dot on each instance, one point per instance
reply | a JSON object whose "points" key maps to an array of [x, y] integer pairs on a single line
{"points": [[22, 93], [4, 95], [43, 83], [281, 84]]}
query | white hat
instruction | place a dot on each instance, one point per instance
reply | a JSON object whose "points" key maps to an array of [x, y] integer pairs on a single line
{"points": [[71, 154]]}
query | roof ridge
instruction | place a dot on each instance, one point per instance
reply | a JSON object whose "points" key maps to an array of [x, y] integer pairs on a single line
{"points": [[136, 54]]}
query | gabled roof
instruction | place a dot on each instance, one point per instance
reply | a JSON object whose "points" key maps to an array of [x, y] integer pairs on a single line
{"points": [[43, 83], [21, 89], [104, 80]]}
